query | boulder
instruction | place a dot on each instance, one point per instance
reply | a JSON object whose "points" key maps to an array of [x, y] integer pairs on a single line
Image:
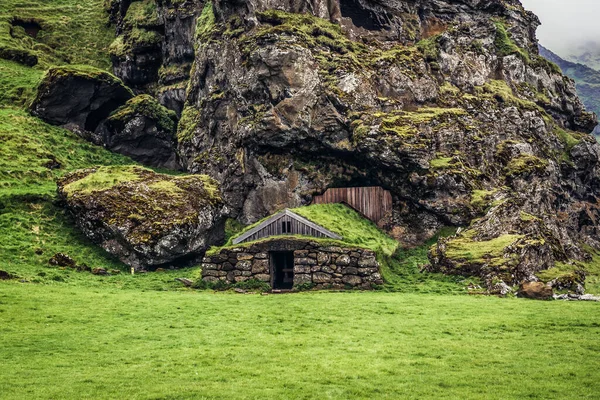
{"points": [[142, 217], [62, 260], [143, 130], [78, 98], [535, 291]]}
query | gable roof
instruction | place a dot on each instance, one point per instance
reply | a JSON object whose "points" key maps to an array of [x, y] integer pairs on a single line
{"points": [[292, 215]]}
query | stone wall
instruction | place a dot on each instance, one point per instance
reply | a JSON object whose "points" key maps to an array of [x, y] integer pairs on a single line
{"points": [[324, 266]]}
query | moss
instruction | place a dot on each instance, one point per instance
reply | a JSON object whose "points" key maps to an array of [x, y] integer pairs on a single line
{"points": [[356, 230], [190, 118], [503, 93], [441, 163], [80, 71], [154, 202], [206, 22], [134, 39], [481, 198], [483, 252], [526, 217], [505, 46], [568, 138], [104, 178], [142, 14], [525, 164], [168, 188], [429, 48], [147, 106]]}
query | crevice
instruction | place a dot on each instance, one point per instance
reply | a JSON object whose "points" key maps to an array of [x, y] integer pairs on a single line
{"points": [[363, 18]]}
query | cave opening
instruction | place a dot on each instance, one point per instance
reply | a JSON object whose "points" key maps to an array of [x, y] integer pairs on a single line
{"points": [[98, 115], [31, 27], [362, 17]]}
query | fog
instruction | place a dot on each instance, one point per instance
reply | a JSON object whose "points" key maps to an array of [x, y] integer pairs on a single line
{"points": [[566, 22]]}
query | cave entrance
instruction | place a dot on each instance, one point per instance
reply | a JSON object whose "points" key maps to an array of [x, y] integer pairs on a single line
{"points": [[31, 28], [361, 17], [100, 114], [282, 269]]}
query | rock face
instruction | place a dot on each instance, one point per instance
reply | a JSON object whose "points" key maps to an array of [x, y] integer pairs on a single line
{"points": [[144, 218], [447, 104], [143, 130], [154, 49], [79, 98]]}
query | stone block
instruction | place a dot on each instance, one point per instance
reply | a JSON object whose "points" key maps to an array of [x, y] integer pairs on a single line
{"points": [[332, 249], [210, 279], [261, 256], [367, 271], [305, 261], [344, 259], [245, 256], [302, 269], [323, 258], [321, 277], [327, 269], [244, 265], [368, 262], [227, 266], [355, 254], [241, 278], [350, 271], [262, 277], [210, 272], [352, 280], [260, 266], [312, 255], [206, 267], [246, 273], [301, 253], [300, 279]]}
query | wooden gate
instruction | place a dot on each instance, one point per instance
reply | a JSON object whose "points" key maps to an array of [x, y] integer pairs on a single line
{"points": [[372, 202]]}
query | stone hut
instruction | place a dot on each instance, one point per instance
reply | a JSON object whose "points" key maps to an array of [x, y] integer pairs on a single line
{"points": [[288, 251]]}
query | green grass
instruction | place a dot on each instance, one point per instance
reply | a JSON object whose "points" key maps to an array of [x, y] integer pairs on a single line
{"points": [[71, 343], [29, 144], [355, 229], [18, 83], [72, 32]]}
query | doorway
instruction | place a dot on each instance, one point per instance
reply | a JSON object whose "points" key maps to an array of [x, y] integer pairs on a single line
{"points": [[282, 267]]}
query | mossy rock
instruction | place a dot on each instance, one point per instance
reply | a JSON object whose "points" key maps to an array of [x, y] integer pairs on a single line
{"points": [[79, 96], [146, 106], [143, 217]]}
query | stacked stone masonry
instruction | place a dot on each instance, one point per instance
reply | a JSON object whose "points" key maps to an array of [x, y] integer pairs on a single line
{"points": [[326, 267]]}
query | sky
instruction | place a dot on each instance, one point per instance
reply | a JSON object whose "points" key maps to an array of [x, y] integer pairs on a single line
{"points": [[565, 22]]}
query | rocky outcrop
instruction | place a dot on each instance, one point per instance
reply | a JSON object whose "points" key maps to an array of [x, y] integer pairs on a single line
{"points": [[447, 104], [78, 98], [143, 130], [154, 49], [144, 218], [100, 108]]}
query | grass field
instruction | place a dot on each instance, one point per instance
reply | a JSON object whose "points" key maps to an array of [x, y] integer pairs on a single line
{"points": [[70, 342]]}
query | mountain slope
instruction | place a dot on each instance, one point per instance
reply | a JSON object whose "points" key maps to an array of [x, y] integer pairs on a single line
{"points": [[587, 81]]}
